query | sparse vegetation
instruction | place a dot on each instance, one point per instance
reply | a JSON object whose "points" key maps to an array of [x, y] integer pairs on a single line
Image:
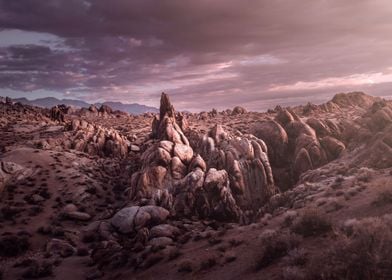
{"points": [[174, 253], [185, 266], [365, 174], [11, 245], [384, 197], [297, 257], [275, 246], [311, 223], [208, 263], [362, 251]]}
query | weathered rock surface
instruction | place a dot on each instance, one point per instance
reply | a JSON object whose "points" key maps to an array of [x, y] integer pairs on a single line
{"points": [[237, 175], [164, 230], [60, 247], [276, 139], [12, 171], [96, 140], [238, 110], [304, 147], [130, 219]]}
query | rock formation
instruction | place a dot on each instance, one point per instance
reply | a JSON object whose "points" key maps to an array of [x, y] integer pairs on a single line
{"points": [[238, 110], [96, 140], [295, 146], [56, 114], [11, 171], [236, 177]]}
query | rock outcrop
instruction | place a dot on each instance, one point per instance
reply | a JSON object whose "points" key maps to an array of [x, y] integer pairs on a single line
{"points": [[378, 151], [224, 176], [295, 146], [238, 110], [352, 99], [12, 171], [276, 139], [56, 114], [96, 140], [246, 161]]}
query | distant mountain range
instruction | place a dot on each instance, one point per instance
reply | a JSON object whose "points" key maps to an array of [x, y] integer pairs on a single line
{"points": [[49, 102]]}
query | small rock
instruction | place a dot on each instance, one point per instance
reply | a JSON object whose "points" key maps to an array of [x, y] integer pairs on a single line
{"points": [[164, 230], [161, 241], [70, 208], [80, 216], [230, 257], [123, 220], [36, 198], [60, 247], [132, 218], [134, 148]]}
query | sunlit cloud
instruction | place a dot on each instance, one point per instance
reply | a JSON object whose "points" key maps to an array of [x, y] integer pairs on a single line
{"points": [[261, 60], [352, 80], [11, 37]]}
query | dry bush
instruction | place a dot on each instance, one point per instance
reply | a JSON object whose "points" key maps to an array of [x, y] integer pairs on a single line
{"points": [[311, 223], [275, 246], [174, 253], [185, 266], [208, 263], [278, 201], [384, 197], [292, 273], [365, 174], [362, 251], [297, 257]]}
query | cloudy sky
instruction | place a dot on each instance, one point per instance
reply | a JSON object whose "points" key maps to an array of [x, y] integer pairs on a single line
{"points": [[204, 53]]}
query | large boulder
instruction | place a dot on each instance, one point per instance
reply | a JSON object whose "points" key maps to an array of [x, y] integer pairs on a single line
{"points": [[105, 109], [164, 230], [276, 139], [319, 126], [304, 148], [238, 110], [332, 146], [130, 219]]}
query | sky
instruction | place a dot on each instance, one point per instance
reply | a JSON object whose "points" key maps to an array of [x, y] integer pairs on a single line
{"points": [[205, 54]]}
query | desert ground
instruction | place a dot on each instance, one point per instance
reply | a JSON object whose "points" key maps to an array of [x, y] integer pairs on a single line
{"points": [[292, 193]]}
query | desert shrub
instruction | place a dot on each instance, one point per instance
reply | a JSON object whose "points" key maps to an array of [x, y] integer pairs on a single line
{"points": [[365, 174], [292, 273], [174, 253], [275, 246], [384, 197], [339, 179], [208, 263], [234, 242], [277, 201], [362, 251], [38, 269], [297, 257], [311, 223], [12, 246], [185, 266], [289, 217]]}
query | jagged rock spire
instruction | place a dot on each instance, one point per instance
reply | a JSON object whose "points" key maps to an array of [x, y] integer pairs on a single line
{"points": [[166, 108], [165, 127]]}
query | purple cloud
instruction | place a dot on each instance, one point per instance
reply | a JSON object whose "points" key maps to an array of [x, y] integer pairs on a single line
{"points": [[205, 53]]}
